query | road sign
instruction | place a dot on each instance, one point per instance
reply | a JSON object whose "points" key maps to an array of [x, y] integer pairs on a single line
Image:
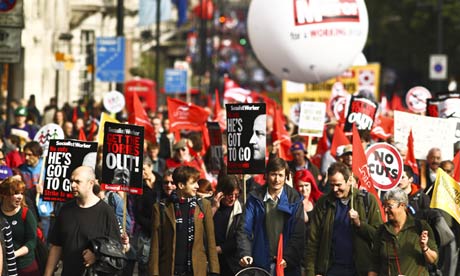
{"points": [[416, 98], [11, 13], [110, 59], [10, 45], [385, 165], [175, 81], [438, 67]]}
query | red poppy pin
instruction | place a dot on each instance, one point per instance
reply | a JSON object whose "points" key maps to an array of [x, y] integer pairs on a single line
{"points": [[200, 215]]}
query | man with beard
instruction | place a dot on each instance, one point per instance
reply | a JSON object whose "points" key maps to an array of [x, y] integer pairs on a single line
{"points": [[433, 160]]}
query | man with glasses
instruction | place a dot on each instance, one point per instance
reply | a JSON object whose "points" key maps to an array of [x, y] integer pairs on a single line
{"points": [[270, 210], [182, 157], [227, 215], [341, 228]]}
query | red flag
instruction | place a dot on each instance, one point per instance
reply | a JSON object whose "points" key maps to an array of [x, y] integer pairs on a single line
{"points": [[321, 148], [139, 117], [396, 103], [457, 166], [81, 135], [339, 139], [183, 115], [279, 257], [280, 133], [92, 130], [219, 113], [383, 128], [410, 157], [361, 170]]}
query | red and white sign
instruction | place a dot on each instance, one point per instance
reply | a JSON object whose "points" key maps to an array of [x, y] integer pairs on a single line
{"points": [[416, 99], [385, 165], [114, 101]]}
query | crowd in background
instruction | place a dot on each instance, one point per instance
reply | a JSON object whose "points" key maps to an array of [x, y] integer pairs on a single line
{"points": [[310, 204]]}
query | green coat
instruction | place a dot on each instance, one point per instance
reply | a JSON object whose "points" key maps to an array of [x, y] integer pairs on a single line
{"points": [[405, 245], [319, 255]]}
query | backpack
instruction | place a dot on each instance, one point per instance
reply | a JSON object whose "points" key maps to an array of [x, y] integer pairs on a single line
{"points": [[41, 249], [445, 240]]}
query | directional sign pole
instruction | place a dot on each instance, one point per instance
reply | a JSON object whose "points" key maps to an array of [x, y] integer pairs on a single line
{"points": [[120, 33]]}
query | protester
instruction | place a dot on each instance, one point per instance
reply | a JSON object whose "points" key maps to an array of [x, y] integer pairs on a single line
{"points": [[182, 157], [20, 117], [80, 220], [400, 246], [205, 189], [31, 172], [143, 215], [227, 216], [345, 155], [301, 161], [168, 184], [159, 164], [448, 166], [270, 210], [342, 228], [183, 241], [162, 139], [24, 230], [433, 160], [418, 200], [304, 182]]}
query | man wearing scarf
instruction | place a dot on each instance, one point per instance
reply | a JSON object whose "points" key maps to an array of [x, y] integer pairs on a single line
{"points": [[183, 241]]}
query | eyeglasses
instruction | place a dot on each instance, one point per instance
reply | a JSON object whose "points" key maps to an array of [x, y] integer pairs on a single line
{"points": [[391, 206], [232, 195]]}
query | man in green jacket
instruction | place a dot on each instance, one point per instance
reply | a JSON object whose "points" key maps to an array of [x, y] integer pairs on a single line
{"points": [[343, 225]]}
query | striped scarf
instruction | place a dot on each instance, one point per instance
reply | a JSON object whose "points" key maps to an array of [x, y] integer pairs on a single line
{"points": [[191, 223]]}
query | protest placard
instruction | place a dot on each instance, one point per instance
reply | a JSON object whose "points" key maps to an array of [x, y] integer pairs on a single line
{"points": [[122, 158], [385, 165], [427, 132], [311, 119], [361, 112], [215, 148], [246, 138], [63, 157]]}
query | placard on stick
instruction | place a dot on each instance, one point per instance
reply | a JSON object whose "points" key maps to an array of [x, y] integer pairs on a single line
{"points": [[246, 138], [385, 165], [122, 158], [64, 156]]}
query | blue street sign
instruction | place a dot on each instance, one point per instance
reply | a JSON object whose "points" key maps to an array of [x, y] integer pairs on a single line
{"points": [[175, 81], [110, 59]]}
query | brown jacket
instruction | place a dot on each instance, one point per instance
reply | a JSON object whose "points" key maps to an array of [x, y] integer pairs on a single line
{"points": [[163, 245]]}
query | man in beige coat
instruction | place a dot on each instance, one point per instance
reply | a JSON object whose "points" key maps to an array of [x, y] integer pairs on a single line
{"points": [[183, 241]]}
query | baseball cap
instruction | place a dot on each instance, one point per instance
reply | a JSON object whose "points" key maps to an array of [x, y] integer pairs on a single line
{"points": [[5, 172], [298, 146], [20, 111], [342, 150]]}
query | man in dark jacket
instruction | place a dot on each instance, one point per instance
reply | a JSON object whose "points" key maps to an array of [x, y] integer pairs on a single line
{"points": [[270, 210], [418, 200], [342, 228], [301, 161]]}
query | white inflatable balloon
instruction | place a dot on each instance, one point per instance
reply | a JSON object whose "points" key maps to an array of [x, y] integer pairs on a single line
{"points": [[307, 40]]}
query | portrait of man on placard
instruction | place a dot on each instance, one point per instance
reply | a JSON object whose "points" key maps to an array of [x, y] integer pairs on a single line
{"points": [[258, 139], [121, 176]]}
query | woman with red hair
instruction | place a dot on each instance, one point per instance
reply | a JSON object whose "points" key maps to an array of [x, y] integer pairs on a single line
{"points": [[305, 183]]}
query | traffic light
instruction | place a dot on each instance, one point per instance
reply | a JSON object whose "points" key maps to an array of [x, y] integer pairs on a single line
{"points": [[243, 41]]}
